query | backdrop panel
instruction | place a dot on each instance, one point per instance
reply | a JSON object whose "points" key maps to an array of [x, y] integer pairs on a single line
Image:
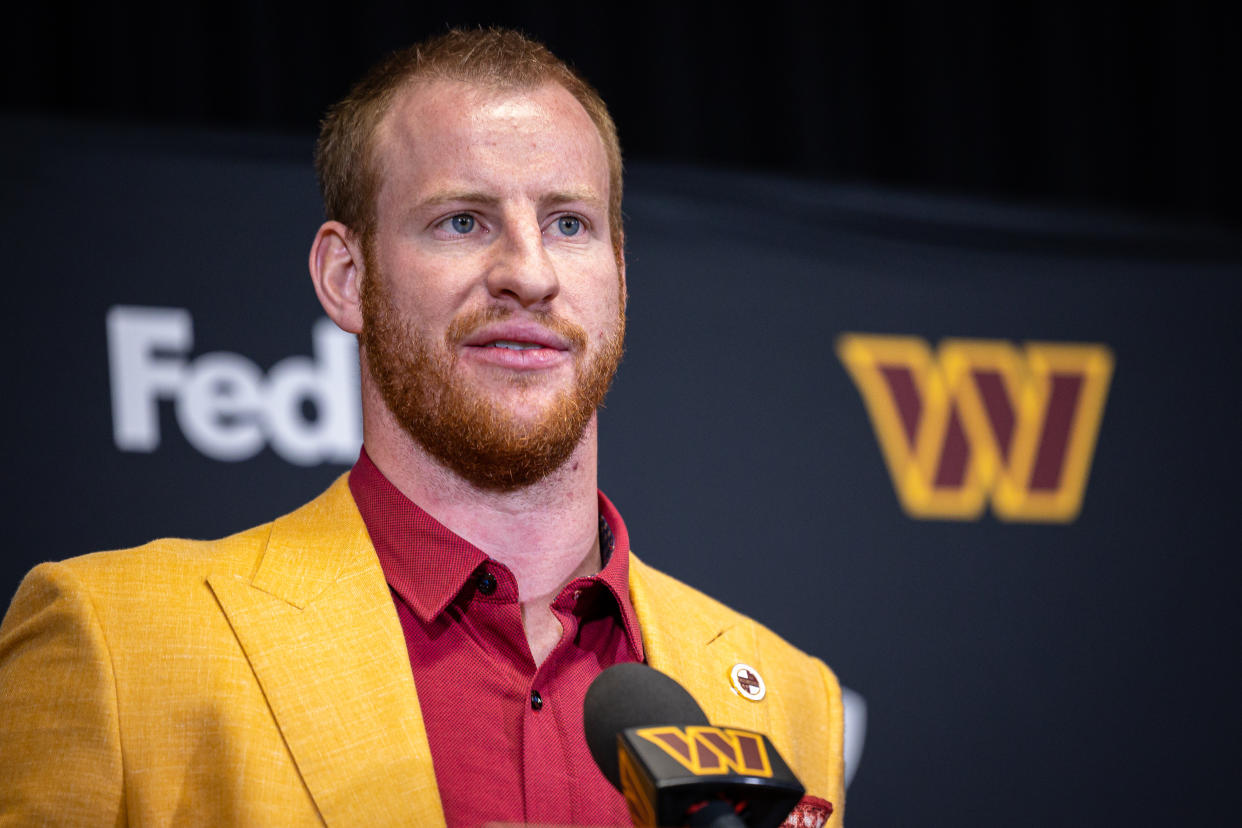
{"points": [[170, 375]]}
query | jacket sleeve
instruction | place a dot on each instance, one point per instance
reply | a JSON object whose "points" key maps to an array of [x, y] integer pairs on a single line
{"points": [[60, 747]]}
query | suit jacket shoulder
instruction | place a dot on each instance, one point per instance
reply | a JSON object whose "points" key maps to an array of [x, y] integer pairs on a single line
{"points": [[699, 641], [259, 679]]}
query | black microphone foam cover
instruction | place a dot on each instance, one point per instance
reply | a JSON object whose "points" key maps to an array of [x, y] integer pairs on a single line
{"points": [[632, 695]]}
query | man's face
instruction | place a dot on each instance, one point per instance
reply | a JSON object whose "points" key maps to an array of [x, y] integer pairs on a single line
{"points": [[493, 309]]}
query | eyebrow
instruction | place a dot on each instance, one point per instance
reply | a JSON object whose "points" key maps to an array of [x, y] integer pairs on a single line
{"points": [[587, 196], [581, 196], [468, 196]]}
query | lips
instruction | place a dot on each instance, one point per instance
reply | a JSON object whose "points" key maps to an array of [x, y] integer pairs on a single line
{"points": [[516, 336], [522, 345], [513, 346]]}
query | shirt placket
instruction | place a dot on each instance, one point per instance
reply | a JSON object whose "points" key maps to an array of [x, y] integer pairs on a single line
{"points": [[547, 778]]}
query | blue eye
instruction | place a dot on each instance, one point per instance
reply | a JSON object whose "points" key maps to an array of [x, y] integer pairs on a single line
{"points": [[462, 223], [569, 225]]}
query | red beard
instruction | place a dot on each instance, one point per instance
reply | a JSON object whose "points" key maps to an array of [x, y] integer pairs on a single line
{"points": [[463, 428]]}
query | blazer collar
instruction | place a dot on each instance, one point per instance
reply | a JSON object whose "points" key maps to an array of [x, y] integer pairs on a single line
{"points": [[319, 628], [317, 623]]}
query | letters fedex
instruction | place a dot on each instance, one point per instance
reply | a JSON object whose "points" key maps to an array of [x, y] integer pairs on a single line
{"points": [[223, 403]]}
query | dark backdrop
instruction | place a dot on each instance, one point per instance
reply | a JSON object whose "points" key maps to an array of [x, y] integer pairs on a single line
{"points": [[1112, 103]]}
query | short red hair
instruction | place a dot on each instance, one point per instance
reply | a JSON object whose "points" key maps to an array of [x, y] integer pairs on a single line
{"points": [[496, 58]]}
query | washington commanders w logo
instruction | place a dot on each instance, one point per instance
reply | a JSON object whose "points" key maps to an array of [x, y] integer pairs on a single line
{"points": [[704, 750], [983, 418]]}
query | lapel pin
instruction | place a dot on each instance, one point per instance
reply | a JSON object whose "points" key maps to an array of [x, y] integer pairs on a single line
{"points": [[747, 682]]}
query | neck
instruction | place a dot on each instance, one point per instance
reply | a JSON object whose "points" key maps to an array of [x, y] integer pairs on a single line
{"points": [[546, 534]]}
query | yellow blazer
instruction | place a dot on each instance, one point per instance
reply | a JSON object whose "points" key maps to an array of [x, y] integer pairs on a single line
{"points": [[263, 679]]}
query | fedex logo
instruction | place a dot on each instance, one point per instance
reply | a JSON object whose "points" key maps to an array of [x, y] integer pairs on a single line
{"points": [[224, 404], [983, 420]]}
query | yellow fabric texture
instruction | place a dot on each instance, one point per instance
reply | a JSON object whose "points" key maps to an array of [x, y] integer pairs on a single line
{"points": [[262, 679]]}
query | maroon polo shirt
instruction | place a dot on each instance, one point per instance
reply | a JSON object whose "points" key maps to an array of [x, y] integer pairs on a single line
{"points": [[506, 736]]}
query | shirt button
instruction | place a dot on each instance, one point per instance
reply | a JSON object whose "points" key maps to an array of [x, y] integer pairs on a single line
{"points": [[487, 583], [536, 700]]}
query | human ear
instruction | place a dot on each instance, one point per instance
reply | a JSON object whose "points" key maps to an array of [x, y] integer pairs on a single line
{"points": [[336, 269]]}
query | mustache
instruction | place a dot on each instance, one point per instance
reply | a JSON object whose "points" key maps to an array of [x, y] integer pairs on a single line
{"points": [[465, 324]]}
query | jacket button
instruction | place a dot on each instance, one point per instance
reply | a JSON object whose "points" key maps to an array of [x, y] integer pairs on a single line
{"points": [[536, 700], [487, 583]]}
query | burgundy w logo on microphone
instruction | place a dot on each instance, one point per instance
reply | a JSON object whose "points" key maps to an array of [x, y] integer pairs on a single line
{"points": [[704, 750]]}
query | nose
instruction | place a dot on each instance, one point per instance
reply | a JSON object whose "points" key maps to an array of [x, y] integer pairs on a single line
{"points": [[522, 269]]}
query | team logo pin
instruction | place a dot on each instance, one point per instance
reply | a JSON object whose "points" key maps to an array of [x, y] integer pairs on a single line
{"points": [[747, 683]]}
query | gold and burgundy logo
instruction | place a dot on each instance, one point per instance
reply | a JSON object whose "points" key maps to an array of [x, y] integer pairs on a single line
{"points": [[981, 421], [706, 751]]}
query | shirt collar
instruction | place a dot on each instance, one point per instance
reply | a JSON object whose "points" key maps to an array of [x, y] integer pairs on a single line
{"points": [[428, 565]]}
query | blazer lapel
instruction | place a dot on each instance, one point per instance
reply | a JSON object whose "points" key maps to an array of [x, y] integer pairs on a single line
{"points": [[317, 623], [697, 641]]}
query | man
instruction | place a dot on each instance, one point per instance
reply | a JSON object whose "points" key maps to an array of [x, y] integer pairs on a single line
{"points": [[413, 646]]}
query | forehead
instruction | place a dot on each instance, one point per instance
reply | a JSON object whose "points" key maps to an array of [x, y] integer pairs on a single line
{"points": [[444, 133]]}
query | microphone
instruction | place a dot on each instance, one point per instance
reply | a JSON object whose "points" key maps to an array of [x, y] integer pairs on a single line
{"points": [[653, 742]]}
